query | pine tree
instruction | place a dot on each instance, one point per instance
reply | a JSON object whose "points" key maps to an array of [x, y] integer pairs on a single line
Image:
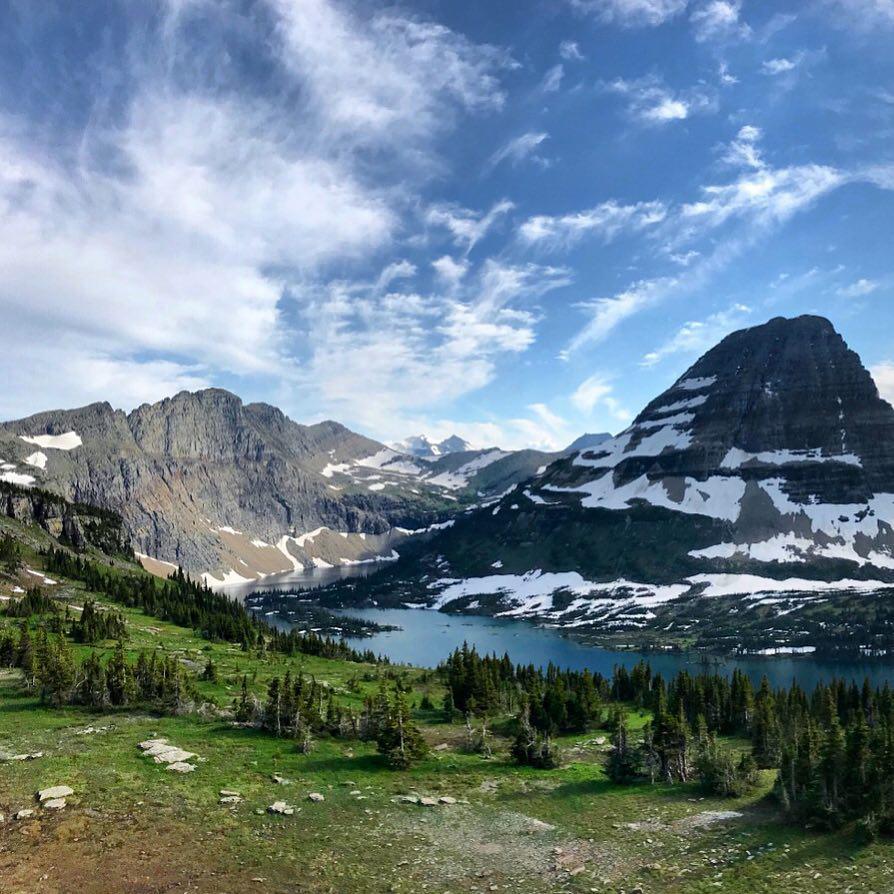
{"points": [[622, 763], [399, 740]]}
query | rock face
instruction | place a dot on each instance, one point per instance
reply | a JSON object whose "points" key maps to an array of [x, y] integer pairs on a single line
{"points": [[209, 483], [771, 458]]}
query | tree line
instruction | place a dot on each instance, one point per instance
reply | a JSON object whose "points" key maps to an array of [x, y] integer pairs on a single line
{"points": [[193, 605], [833, 749]]}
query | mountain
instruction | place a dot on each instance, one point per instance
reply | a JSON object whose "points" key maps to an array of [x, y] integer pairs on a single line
{"points": [[240, 490], [587, 442], [422, 448], [766, 469]]}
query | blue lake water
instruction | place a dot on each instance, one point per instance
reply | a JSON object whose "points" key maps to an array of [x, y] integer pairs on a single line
{"points": [[428, 637]]}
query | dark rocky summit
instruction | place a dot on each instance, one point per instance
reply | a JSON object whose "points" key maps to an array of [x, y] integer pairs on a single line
{"points": [[767, 467]]}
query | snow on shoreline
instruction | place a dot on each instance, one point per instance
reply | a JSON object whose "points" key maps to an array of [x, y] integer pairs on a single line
{"points": [[532, 594]]}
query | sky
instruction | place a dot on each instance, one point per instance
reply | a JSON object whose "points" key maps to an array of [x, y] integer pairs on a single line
{"points": [[513, 221]]}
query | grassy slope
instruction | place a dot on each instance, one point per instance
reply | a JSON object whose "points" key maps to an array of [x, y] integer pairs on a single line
{"points": [[133, 826]]}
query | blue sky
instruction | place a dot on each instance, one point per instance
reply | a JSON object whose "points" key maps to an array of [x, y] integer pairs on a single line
{"points": [[513, 221]]}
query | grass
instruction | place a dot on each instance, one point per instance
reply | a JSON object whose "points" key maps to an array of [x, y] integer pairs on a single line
{"points": [[133, 826]]}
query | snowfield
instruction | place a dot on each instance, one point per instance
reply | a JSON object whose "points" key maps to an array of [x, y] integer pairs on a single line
{"points": [[68, 441], [622, 601]]}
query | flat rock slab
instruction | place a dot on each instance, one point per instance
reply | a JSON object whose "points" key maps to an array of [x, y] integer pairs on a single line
{"points": [[173, 756], [180, 767], [316, 797], [25, 813], [230, 799], [54, 793], [54, 804], [151, 743], [281, 808], [33, 756], [229, 793], [280, 780]]}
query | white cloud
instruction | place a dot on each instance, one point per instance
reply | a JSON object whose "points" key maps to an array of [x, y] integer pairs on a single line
{"points": [[698, 336], [607, 221], [608, 313], [596, 391], [519, 149], [157, 247], [651, 102], [632, 13], [862, 15], [467, 227], [386, 77], [394, 271], [552, 80], [719, 20], [743, 151], [569, 50], [417, 351], [781, 66], [859, 289], [726, 78], [449, 269], [764, 197], [883, 373]]}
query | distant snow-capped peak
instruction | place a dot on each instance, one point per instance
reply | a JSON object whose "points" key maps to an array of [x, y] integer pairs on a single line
{"points": [[423, 447]]}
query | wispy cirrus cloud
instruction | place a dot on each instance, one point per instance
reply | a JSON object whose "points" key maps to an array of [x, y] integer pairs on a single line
{"points": [[859, 289], [605, 221], [733, 215], [519, 149], [719, 20], [467, 226], [651, 102], [163, 239], [697, 336], [632, 13], [416, 350], [599, 390]]}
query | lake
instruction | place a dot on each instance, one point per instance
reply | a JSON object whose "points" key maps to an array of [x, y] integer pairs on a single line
{"points": [[427, 637]]}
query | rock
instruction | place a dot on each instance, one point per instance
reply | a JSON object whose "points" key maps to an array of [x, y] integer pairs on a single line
{"points": [[180, 767], [229, 793], [428, 802], [316, 797], [280, 780], [33, 756], [442, 747], [281, 808], [23, 814], [54, 804], [172, 755], [406, 799], [446, 799], [57, 791], [151, 743]]}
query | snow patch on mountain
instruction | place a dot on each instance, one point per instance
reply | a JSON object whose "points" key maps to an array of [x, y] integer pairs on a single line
{"points": [[736, 458], [37, 459], [68, 441]]}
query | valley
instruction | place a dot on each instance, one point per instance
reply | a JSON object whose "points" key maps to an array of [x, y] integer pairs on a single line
{"points": [[456, 820]]}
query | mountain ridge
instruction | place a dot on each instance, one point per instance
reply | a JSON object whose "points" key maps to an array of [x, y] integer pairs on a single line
{"points": [[767, 468], [239, 490]]}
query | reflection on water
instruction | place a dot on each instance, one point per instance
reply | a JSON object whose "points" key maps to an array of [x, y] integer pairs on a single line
{"points": [[311, 579]]}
